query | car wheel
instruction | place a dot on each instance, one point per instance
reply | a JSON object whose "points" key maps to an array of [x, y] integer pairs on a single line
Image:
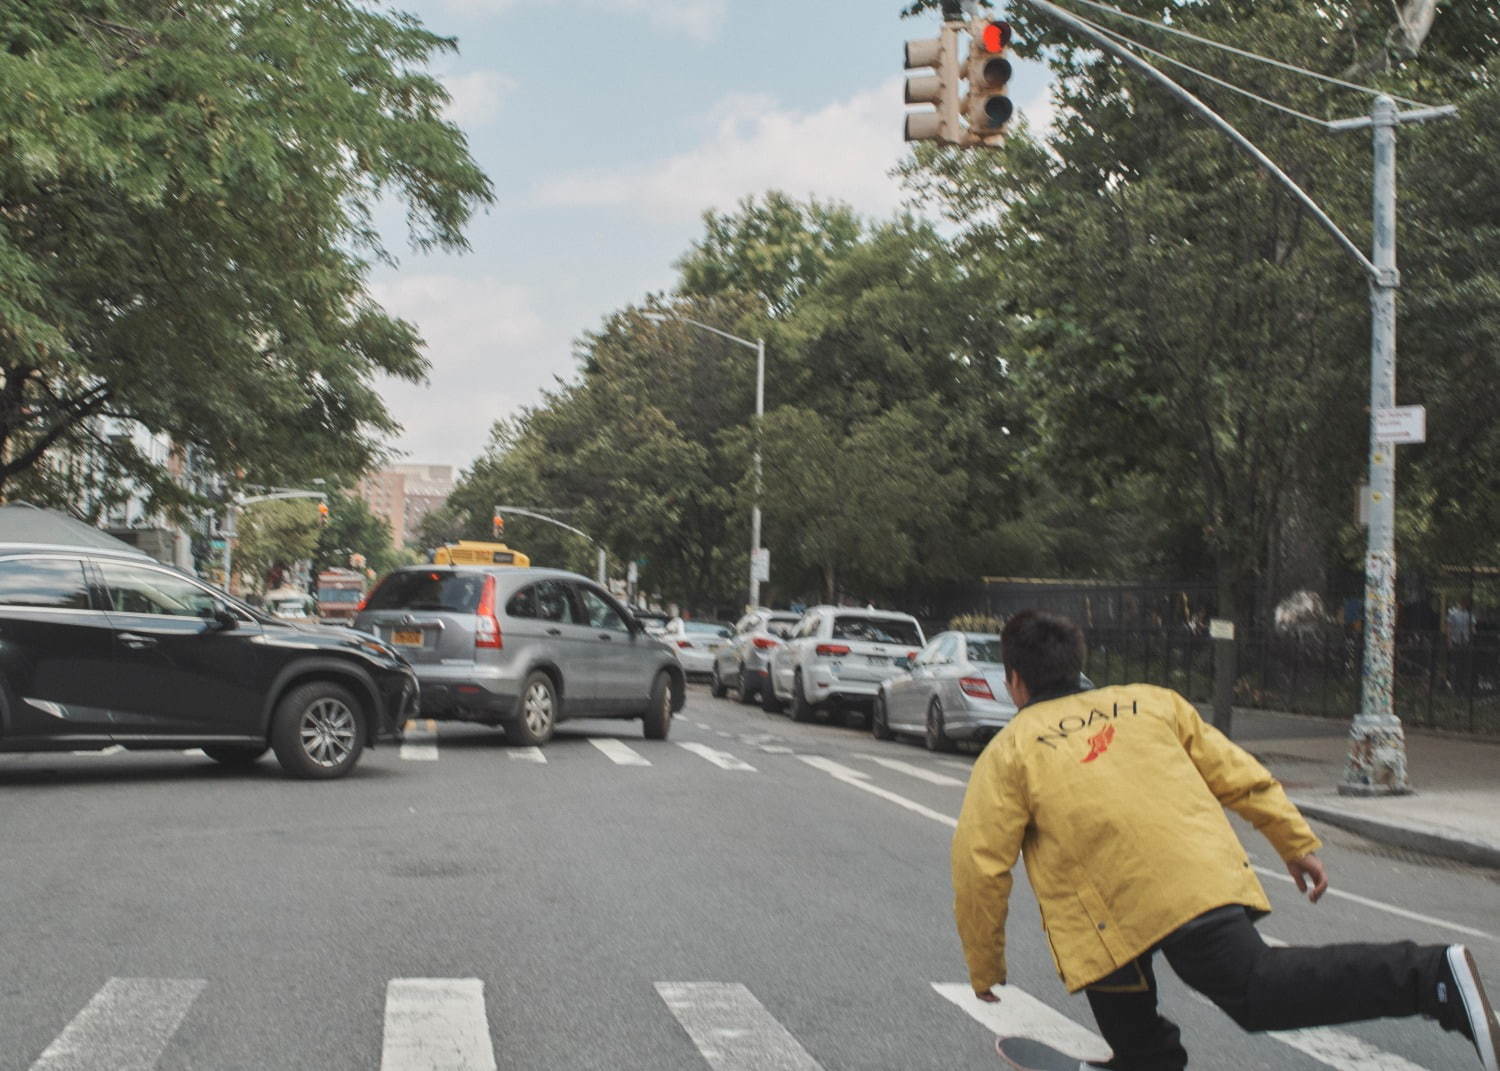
{"points": [[746, 693], [768, 701], [717, 687], [537, 716], [801, 709], [318, 731], [935, 738], [880, 725], [657, 722], [235, 756]]}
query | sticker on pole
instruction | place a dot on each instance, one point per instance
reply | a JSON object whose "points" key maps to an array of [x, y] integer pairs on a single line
{"points": [[1401, 424], [760, 564], [1220, 629]]}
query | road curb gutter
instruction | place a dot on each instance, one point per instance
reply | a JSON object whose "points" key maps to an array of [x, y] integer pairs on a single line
{"points": [[1432, 840]]}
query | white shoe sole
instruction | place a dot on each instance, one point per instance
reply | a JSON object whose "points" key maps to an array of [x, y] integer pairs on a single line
{"points": [[1477, 1005]]}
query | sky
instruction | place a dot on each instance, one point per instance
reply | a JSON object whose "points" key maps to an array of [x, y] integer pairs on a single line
{"points": [[608, 127]]}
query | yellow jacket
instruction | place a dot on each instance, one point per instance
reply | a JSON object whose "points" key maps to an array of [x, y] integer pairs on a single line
{"points": [[1116, 797]]}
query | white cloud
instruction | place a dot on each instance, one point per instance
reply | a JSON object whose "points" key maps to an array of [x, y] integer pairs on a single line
{"points": [[491, 351], [477, 96], [700, 19], [844, 151]]}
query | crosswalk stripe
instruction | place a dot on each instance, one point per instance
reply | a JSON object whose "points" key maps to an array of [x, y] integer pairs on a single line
{"points": [[913, 770], [1021, 1015], [412, 751], [722, 759], [125, 1027], [113, 749], [861, 780], [619, 752], [957, 764], [436, 1024], [527, 754], [732, 1030]]}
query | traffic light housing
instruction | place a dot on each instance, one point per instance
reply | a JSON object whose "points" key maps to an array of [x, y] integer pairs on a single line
{"points": [[497, 526], [939, 89], [987, 108], [322, 512]]}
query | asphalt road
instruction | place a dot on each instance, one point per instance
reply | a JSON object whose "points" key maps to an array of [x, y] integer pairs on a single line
{"points": [[775, 897]]}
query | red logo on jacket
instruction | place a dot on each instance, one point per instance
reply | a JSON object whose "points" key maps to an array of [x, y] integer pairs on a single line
{"points": [[1099, 743]]}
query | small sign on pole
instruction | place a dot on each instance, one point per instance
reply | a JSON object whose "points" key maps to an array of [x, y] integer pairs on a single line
{"points": [[1220, 629], [760, 564], [1401, 424]]}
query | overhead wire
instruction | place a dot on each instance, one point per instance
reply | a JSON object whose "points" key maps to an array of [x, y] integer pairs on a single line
{"points": [[1130, 42], [1292, 67]]}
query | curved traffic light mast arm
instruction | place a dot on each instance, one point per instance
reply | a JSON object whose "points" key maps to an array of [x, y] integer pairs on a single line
{"points": [[1245, 144], [602, 574]]}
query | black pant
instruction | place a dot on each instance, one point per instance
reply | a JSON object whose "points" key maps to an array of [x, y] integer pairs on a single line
{"points": [[1221, 955]]}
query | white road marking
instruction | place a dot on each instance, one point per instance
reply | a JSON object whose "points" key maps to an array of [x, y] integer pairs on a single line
{"points": [[774, 749], [1021, 1015], [619, 752], [125, 1027], [861, 780], [957, 764], [527, 754], [732, 1030], [913, 770], [418, 752], [113, 749], [436, 1024], [1415, 916], [701, 725], [722, 759], [1334, 1047]]}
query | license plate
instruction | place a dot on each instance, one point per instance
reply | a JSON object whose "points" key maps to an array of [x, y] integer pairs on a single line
{"points": [[407, 637], [877, 660]]}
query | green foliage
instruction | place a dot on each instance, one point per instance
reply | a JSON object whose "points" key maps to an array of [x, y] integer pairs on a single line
{"points": [[353, 529], [274, 536], [188, 196]]}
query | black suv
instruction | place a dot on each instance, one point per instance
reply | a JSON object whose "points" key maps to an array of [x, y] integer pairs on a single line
{"points": [[101, 645]]}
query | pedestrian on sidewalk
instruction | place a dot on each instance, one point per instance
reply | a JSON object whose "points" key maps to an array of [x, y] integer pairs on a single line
{"points": [[1116, 797]]}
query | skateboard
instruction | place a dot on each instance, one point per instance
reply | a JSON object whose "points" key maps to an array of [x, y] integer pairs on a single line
{"points": [[1025, 1054]]}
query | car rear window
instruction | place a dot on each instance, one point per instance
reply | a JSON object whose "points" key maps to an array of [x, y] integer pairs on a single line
{"points": [[984, 650], [877, 630], [428, 589]]}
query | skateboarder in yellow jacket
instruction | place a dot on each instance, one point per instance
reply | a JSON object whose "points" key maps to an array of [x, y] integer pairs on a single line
{"points": [[1116, 797]]}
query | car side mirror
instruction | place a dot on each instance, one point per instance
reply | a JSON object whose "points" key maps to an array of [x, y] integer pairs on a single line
{"points": [[222, 619]]}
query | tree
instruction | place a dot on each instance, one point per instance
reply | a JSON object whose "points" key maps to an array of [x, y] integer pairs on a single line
{"points": [[352, 529], [187, 198], [274, 536]]}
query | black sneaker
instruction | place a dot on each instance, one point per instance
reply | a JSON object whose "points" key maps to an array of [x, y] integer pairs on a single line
{"points": [[1465, 1007]]}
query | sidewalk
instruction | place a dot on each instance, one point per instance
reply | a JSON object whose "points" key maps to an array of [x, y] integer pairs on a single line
{"points": [[1454, 811]]}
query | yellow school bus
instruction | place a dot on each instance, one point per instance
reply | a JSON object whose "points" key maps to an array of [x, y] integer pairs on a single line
{"points": [[473, 552]]}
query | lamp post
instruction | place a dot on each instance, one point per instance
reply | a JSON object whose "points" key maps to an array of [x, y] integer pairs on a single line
{"points": [[759, 346]]}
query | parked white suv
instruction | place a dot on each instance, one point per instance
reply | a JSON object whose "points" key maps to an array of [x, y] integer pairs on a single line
{"points": [[836, 657]]}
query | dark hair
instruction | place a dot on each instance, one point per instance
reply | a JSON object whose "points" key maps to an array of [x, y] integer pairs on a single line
{"points": [[1044, 650]]}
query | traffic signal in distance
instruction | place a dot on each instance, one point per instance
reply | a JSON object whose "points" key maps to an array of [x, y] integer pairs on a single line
{"points": [[322, 512], [497, 525], [939, 88], [987, 109]]}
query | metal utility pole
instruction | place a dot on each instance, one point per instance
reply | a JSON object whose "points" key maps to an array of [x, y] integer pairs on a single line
{"points": [[1377, 744], [602, 563]]}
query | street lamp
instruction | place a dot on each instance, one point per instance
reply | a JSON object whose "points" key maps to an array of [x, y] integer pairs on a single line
{"points": [[759, 346]]}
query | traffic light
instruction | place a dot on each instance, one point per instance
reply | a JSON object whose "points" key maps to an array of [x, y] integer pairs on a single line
{"points": [[987, 109], [497, 526], [323, 513], [939, 88]]}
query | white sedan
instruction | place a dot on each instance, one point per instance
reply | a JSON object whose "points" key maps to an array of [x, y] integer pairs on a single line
{"points": [[696, 643]]}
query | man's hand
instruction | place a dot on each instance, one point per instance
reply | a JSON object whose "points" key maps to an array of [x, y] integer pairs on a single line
{"points": [[1309, 869]]}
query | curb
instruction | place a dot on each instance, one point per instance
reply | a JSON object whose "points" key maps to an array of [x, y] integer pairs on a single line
{"points": [[1433, 840]]}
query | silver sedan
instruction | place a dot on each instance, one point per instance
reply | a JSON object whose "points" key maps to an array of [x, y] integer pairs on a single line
{"points": [[954, 690]]}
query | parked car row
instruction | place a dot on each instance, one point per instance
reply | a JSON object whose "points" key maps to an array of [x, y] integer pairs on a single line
{"points": [[874, 665]]}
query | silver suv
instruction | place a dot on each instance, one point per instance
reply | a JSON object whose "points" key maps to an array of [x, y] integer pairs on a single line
{"points": [[523, 649]]}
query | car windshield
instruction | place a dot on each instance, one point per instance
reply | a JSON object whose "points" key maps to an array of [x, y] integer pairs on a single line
{"points": [[705, 626], [984, 650], [428, 589], [877, 630]]}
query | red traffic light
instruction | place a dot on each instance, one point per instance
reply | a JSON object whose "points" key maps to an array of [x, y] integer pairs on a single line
{"points": [[995, 37]]}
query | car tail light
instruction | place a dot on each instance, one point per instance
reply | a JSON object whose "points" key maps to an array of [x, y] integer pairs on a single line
{"points": [[486, 624], [360, 606], [834, 650], [978, 687], [684, 644], [765, 643]]}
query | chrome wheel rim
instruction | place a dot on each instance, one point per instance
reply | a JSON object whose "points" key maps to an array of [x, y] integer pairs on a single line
{"points": [[538, 709], [328, 732]]}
